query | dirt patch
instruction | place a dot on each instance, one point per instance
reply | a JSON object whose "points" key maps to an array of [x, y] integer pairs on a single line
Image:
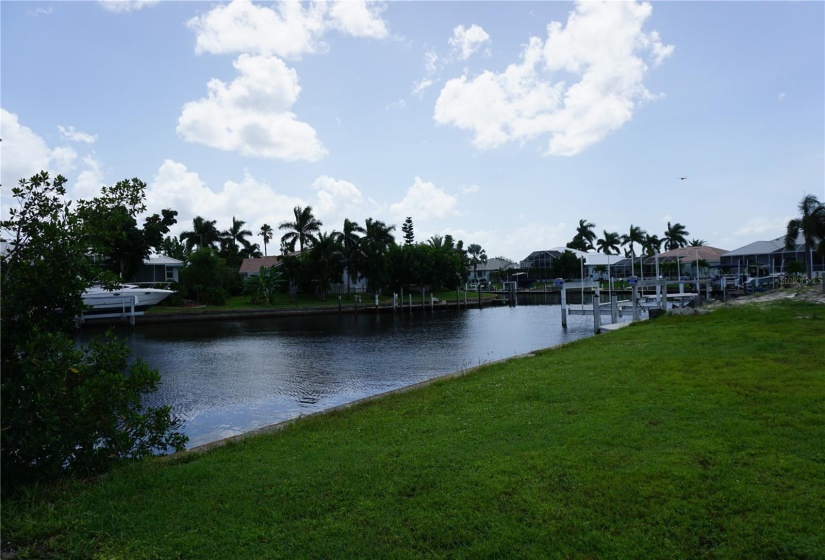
{"points": [[801, 292]]}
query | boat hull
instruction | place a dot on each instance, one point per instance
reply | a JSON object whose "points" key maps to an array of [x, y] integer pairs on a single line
{"points": [[125, 300]]}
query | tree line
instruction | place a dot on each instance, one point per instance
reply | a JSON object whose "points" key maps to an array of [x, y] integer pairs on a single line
{"points": [[313, 260]]}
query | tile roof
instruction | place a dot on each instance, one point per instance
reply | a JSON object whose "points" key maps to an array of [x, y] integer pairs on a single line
{"points": [[253, 266]]}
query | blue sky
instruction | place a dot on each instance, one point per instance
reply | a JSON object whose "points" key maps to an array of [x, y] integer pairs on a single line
{"points": [[501, 123]]}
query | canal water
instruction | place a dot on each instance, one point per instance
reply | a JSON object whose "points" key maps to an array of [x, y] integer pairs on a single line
{"points": [[223, 378]]}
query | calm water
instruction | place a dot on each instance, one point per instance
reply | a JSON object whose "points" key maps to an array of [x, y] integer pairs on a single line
{"points": [[226, 378]]}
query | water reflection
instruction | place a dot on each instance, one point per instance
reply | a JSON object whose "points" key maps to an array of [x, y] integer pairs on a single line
{"points": [[225, 378]]}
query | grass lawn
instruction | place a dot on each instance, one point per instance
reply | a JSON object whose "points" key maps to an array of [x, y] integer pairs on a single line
{"points": [[682, 437]]}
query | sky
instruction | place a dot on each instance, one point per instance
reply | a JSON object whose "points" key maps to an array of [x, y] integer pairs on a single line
{"points": [[500, 123]]}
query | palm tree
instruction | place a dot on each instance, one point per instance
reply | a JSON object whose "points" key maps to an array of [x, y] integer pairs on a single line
{"points": [[698, 243], [477, 256], [349, 240], [652, 244], [675, 236], [266, 233], [301, 229], [236, 234], [325, 257], [203, 234], [374, 247], [634, 235], [436, 241], [609, 243], [584, 238], [811, 223]]}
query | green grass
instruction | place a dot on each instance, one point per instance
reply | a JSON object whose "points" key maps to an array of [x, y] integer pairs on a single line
{"points": [[683, 437]]}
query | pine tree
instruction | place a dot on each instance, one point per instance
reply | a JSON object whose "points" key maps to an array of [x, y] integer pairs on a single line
{"points": [[407, 228]]}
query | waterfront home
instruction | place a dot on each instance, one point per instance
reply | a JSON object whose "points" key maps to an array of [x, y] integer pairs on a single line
{"points": [[761, 258], [159, 269]]}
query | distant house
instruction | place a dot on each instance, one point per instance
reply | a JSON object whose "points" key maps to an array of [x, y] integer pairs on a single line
{"points": [[159, 269], [769, 257], [541, 259], [684, 257], [486, 271], [252, 267]]}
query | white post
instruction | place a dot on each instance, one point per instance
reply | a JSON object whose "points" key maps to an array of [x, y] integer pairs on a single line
{"points": [[596, 317], [560, 283], [614, 309]]}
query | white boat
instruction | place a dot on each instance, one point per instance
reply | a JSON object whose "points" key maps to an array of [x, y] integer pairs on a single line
{"points": [[100, 301]]}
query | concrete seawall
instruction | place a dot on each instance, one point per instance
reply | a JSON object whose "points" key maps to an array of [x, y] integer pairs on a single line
{"points": [[231, 314]]}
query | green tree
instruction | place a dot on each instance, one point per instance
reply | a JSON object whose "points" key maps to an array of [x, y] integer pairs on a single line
{"points": [[204, 277], [585, 236], [811, 223], [301, 229], [266, 233], [375, 245], [567, 266], [652, 244], [171, 246], [477, 256], [265, 286], [234, 243], [350, 241], [65, 409], [326, 261], [112, 231], [675, 236], [203, 234], [633, 236], [697, 243], [609, 243], [408, 230]]}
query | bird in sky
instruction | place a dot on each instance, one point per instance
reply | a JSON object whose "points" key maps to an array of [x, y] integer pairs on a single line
{"points": [[682, 178]]}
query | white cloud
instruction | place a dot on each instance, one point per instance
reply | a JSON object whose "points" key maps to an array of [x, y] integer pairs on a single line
{"points": [[338, 199], [256, 202], [760, 225], [288, 30], [120, 6], [40, 12], [69, 133], [89, 180], [240, 26], [467, 41], [396, 105], [424, 201], [419, 87], [252, 200], [470, 189], [602, 44], [62, 159], [359, 18], [24, 153], [251, 114]]}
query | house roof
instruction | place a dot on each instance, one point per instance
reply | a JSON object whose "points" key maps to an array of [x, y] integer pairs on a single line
{"points": [[690, 254], [253, 266], [766, 247], [159, 260], [495, 264]]}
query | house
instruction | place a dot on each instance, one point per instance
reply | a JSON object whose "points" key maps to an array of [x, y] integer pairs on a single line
{"points": [[767, 257], [488, 271], [252, 266], [159, 269], [595, 265]]}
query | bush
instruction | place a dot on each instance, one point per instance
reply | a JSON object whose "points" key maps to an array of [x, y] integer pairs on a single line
{"points": [[64, 409], [79, 410]]}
